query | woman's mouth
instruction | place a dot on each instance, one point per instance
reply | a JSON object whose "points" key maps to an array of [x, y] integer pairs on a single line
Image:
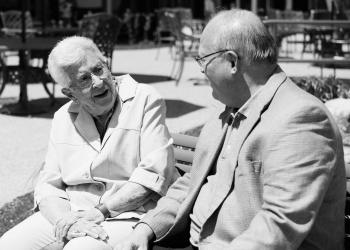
{"points": [[101, 94]]}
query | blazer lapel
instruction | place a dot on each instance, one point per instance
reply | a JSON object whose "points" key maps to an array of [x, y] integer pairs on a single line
{"points": [[257, 105], [87, 129], [209, 148], [206, 154]]}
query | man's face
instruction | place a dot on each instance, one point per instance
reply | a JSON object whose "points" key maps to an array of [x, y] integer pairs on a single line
{"points": [[227, 87], [92, 85]]}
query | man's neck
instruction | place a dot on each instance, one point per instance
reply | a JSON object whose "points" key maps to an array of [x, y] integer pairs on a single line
{"points": [[258, 75]]}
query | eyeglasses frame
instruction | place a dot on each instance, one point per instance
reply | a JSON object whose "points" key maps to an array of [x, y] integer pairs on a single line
{"points": [[202, 63]]}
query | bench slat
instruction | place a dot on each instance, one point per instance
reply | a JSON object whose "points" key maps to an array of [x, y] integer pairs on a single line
{"points": [[183, 155], [184, 140], [183, 167]]}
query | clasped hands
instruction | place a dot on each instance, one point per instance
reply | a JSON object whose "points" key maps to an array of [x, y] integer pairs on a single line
{"points": [[81, 223]]}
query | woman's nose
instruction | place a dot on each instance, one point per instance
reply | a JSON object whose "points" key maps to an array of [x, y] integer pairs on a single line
{"points": [[97, 81]]}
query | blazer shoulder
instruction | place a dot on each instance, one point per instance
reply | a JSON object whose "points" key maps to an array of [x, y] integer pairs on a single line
{"points": [[293, 100], [293, 105]]}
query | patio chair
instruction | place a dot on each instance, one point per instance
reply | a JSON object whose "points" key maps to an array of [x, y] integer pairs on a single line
{"points": [[291, 32], [103, 29], [187, 34], [12, 22], [317, 36], [163, 33], [36, 70]]}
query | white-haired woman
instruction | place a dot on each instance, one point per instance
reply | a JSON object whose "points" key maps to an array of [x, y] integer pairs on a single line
{"points": [[109, 156]]}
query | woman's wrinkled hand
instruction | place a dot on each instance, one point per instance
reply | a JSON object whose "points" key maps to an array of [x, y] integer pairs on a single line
{"points": [[93, 215], [84, 227], [63, 224]]}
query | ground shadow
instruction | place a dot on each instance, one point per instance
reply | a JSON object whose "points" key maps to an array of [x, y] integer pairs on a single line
{"points": [[176, 108], [42, 107], [51, 107], [142, 78]]}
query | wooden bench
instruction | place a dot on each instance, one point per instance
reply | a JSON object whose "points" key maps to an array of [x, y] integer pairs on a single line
{"points": [[184, 153]]}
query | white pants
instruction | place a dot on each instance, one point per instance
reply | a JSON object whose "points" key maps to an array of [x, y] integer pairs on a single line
{"points": [[36, 233]]}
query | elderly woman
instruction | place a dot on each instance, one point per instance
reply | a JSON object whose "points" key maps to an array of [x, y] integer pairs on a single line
{"points": [[109, 157]]}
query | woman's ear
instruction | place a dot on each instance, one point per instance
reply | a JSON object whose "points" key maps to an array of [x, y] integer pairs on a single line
{"points": [[108, 62], [68, 92]]}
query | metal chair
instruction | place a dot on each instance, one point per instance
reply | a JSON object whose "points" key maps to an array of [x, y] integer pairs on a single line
{"points": [[187, 35], [12, 22], [319, 37], [36, 70], [163, 33], [103, 29]]}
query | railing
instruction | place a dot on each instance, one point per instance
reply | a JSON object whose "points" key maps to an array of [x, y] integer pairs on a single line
{"points": [[322, 32]]}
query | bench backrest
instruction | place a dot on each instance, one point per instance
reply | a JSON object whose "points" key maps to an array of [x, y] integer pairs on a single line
{"points": [[184, 151]]}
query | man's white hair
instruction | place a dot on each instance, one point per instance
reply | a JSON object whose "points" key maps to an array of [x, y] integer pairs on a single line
{"points": [[68, 52], [244, 32]]}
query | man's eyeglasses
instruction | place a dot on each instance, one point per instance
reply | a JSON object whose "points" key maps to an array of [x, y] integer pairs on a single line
{"points": [[202, 62]]}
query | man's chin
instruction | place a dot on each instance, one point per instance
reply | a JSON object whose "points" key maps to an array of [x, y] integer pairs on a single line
{"points": [[214, 95]]}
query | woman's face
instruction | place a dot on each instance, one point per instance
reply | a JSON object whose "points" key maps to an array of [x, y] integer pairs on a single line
{"points": [[92, 85]]}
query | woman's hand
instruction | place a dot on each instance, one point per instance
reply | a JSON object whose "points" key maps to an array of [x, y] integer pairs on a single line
{"points": [[93, 215], [63, 224], [83, 227]]}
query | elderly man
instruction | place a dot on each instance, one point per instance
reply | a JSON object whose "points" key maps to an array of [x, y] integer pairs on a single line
{"points": [[268, 171], [109, 157]]}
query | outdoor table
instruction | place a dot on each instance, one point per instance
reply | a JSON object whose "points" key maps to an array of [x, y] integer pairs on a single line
{"points": [[31, 43], [323, 26]]}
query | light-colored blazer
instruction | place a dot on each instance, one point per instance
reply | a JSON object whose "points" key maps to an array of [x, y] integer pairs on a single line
{"points": [[287, 173], [136, 148]]}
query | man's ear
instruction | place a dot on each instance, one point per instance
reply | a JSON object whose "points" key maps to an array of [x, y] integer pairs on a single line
{"points": [[233, 58]]}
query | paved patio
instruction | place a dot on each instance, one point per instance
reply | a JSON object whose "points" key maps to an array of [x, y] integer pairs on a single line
{"points": [[24, 139]]}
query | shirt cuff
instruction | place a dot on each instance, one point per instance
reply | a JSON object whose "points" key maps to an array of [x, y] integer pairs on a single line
{"points": [[149, 180]]}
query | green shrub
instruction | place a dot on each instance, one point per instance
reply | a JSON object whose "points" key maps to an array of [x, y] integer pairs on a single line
{"points": [[324, 89]]}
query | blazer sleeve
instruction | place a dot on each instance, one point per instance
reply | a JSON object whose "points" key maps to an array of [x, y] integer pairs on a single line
{"points": [[156, 169], [162, 217], [298, 163]]}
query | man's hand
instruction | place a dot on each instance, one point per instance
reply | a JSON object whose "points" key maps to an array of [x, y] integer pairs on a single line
{"points": [[93, 215], [84, 227], [63, 224], [138, 239]]}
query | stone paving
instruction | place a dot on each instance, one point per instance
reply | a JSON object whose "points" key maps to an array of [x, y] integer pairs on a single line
{"points": [[24, 139]]}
